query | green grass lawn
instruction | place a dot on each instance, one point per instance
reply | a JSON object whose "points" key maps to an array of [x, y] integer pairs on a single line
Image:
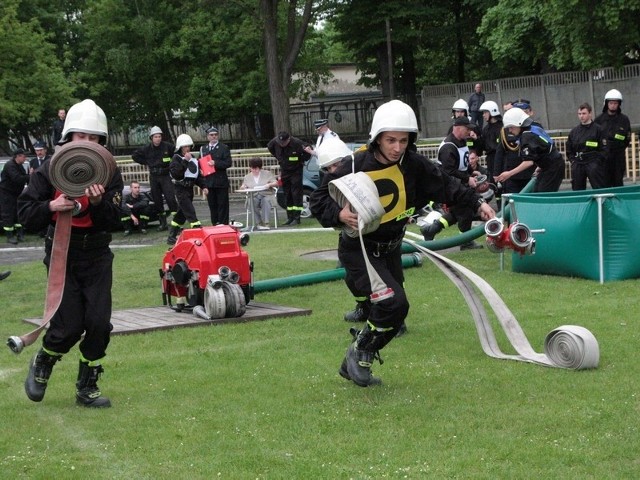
{"points": [[263, 399]]}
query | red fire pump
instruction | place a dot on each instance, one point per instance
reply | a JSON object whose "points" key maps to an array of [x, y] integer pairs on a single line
{"points": [[207, 271]]}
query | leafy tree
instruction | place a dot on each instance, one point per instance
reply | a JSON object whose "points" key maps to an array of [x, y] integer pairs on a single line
{"points": [[282, 44], [32, 81], [431, 42], [228, 82], [133, 59], [535, 37]]}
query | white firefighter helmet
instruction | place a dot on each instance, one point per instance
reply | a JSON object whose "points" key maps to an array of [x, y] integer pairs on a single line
{"points": [[491, 107], [460, 104], [516, 117], [613, 94], [183, 140], [394, 116], [154, 131], [85, 117], [332, 151]]}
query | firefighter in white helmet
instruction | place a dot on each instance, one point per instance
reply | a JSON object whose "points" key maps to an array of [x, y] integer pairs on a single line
{"points": [[156, 156], [617, 133], [185, 174], [84, 314], [405, 181], [536, 148], [330, 153]]}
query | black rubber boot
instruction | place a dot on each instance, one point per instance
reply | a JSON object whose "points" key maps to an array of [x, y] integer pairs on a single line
{"points": [[359, 357], [430, 231], [296, 218], [290, 218], [402, 330], [360, 313], [87, 392], [20, 234], [163, 222], [11, 237], [173, 235], [39, 372]]}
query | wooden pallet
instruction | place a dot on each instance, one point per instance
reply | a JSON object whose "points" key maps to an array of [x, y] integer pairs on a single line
{"points": [[138, 320]]}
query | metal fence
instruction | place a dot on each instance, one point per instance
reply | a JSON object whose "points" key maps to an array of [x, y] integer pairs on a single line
{"points": [[554, 97], [132, 171]]}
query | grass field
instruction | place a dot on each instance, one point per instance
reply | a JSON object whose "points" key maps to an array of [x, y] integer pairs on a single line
{"points": [[264, 400]]}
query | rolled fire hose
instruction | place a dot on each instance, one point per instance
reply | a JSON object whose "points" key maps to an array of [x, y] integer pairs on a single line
{"points": [[568, 346], [361, 193], [73, 168]]}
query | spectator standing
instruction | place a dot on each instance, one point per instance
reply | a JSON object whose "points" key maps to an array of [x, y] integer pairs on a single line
{"points": [[476, 100], [537, 148], [585, 152], [84, 314], [262, 200], [58, 126], [12, 181], [397, 172], [291, 155], [217, 183], [138, 207], [157, 157], [185, 173], [40, 149], [617, 133], [324, 133]]}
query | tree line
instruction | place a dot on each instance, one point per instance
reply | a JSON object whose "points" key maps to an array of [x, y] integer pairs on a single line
{"points": [[167, 62]]}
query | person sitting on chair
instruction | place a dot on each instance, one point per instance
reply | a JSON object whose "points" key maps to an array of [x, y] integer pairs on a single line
{"points": [[263, 200]]}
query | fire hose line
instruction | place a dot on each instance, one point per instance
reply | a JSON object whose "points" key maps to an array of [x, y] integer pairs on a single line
{"points": [[73, 168], [568, 346], [360, 192]]}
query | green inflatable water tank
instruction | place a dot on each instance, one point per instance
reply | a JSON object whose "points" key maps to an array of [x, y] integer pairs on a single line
{"points": [[591, 234]]}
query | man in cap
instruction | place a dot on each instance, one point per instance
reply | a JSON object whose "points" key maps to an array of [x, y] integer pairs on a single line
{"points": [[12, 181], [453, 154], [157, 157], [40, 150], [291, 155], [324, 133], [217, 182]]}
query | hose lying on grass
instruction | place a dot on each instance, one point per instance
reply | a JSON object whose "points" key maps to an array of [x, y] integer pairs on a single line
{"points": [[568, 346]]}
